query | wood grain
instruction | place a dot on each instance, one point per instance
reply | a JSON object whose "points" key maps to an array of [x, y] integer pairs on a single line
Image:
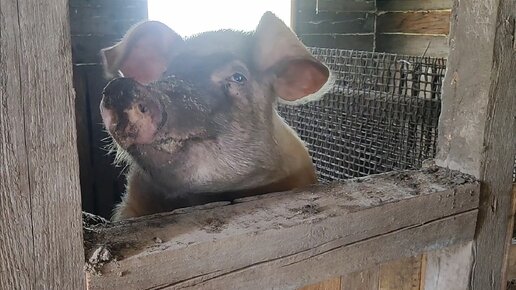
{"points": [[337, 22], [448, 268], [349, 41], [511, 263], [401, 274], [428, 22], [41, 221], [366, 280], [303, 236], [346, 5], [16, 242], [413, 5], [413, 44], [477, 124], [330, 284]]}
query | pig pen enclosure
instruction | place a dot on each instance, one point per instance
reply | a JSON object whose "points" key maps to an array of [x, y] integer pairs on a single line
{"points": [[381, 218]]}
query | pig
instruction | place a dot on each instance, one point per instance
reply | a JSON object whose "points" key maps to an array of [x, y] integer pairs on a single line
{"points": [[195, 120]]}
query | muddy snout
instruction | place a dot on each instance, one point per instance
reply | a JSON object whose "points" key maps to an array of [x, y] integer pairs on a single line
{"points": [[130, 112]]}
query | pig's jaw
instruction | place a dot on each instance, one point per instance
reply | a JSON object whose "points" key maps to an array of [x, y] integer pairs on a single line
{"points": [[196, 166]]}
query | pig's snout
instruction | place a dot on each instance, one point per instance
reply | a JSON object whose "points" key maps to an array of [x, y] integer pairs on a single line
{"points": [[130, 112]]}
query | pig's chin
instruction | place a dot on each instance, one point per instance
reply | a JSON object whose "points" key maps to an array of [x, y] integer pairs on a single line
{"points": [[172, 145]]}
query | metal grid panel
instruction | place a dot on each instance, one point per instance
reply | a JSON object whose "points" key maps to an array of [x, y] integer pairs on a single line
{"points": [[380, 115]]}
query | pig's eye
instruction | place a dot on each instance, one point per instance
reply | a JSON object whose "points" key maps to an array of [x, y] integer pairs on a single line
{"points": [[238, 77]]}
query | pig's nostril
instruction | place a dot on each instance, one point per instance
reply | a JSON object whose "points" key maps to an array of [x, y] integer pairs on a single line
{"points": [[142, 108]]}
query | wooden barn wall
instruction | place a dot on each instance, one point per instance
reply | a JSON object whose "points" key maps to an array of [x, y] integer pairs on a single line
{"points": [[96, 24], [397, 26]]}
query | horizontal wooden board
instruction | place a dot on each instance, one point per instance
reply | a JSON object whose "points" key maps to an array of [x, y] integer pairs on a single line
{"points": [[413, 5], [102, 26], [346, 5], [413, 44], [289, 272], [367, 279], [290, 239], [432, 22], [340, 22], [402, 274], [107, 5], [349, 41], [330, 284], [112, 17]]}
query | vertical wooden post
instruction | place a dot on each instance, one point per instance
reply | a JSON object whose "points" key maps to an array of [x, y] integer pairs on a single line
{"points": [[40, 213], [477, 125]]}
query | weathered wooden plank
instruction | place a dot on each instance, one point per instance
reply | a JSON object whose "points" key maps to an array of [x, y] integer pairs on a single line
{"points": [[346, 5], [86, 48], [401, 274], [330, 284], [318, 224], [112, 17], [82, 118], [365, 253], [435, 46], [367, 279], [349, 41], [343, 22], [103, 26], [41, 216], [510, 254], [511, 263], [448, 268], [107, 5], [413, 5], [431, 22], [305, 10], [16, 242], [477, 124]]}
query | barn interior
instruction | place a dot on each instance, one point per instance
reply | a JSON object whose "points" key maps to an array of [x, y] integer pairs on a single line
{"points": [[414, 147], [389, 59]]}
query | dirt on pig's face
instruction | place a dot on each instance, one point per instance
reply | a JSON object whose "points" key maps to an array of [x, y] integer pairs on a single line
{"points": [[206, 124]]}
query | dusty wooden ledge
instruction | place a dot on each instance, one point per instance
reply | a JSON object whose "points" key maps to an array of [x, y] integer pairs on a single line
{"points": [[286, 240]]}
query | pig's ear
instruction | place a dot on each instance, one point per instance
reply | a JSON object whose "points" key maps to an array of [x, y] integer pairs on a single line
{"points": [[143, 53], [278, 50]]}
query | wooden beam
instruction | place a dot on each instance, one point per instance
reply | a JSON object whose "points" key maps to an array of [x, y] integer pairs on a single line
{"points": [[303, 236], [448, 268], [402, 274], [346, 5], [344, 41], [339, 23], [411, 5], [330, 284], [428, 45], [366, 279], [477, 125], [17, 243], [40, 214], [428, 22]]}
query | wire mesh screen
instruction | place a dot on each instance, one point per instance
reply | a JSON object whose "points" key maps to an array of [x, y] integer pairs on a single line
{"points": [[380, 115]]}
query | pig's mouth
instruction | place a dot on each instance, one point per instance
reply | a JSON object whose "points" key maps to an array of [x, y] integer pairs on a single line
{"points": [[173, 144]]}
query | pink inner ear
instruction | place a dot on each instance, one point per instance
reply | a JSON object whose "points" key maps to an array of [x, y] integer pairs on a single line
{"points": [[300, 79], [146, 61]]}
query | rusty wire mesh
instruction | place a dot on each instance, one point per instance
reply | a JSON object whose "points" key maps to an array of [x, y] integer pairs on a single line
{"points": [[380, 115]]}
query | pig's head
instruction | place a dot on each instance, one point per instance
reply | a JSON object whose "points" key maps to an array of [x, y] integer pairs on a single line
{"points": [[197, 114]]}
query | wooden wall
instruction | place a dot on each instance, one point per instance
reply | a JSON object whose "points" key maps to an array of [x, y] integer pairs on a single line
{"points": [[96, 24], [398, 26]]}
